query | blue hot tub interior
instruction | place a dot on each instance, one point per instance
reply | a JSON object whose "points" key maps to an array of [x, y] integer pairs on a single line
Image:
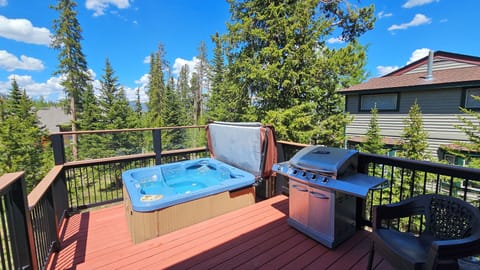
{"points": [[157, 187]]}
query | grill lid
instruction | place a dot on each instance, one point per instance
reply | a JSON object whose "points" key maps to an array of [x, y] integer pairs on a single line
{"points": [[326, 160]]}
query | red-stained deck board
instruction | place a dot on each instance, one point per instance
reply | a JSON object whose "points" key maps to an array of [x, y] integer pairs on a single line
{"points": [[254, 237]]}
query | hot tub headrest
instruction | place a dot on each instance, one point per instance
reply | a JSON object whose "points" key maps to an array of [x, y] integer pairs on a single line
{"points": [[249, 146]]}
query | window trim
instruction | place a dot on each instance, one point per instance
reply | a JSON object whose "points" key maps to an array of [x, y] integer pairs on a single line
{"points": [[397, 105]]}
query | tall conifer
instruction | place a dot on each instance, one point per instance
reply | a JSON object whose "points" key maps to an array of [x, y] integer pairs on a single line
{"points": [[278, 58], [72, 64], [374, 142], [22, 144], [156, 87], [414, 145]]}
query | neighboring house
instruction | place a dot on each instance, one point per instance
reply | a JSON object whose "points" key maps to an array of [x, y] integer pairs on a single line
{"points": [[441, 83], [53, 118]]}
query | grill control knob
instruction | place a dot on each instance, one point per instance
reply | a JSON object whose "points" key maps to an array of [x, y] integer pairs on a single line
{"points": [[324, 180]]}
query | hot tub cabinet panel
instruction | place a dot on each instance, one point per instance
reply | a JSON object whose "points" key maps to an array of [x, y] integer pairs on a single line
{"points": [[148, 225]]}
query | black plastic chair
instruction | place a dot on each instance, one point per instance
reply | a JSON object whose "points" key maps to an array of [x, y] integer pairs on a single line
{"points": [[452, 231]]}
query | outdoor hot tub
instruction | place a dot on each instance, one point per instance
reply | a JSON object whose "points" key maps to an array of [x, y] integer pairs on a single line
{"points": [[164, 198]]}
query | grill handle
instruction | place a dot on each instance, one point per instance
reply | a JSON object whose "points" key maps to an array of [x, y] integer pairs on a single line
{"points": [[319, 195], [300, 188]]}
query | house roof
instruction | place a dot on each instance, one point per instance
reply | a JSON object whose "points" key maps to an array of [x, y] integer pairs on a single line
{"points": [[53, 117], [448, 70]]}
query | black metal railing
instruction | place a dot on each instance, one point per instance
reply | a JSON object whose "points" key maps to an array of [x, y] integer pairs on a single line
{"points": [[409, 178], [30, 231]]}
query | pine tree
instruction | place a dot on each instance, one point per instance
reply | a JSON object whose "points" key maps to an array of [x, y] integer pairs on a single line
{"points": [[113, 103], [173, 116], [22, 144], [91, 145], [470, 127], [185, 95], [156, 88], [114, 111], [374, 142], [414, 137], [138, 105], [195, 90], [72, 62], [202, 70], [219, 103], [278, 57]]}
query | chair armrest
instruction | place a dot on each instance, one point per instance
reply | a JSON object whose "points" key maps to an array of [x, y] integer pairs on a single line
{"points": [[456, 248], [406, 208], [452, 249]]}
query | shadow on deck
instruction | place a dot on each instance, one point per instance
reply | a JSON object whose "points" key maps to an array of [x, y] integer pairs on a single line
{"points": [[254, 237]]}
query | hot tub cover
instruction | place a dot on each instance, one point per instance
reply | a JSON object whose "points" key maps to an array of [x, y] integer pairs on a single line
{"points": [[249, 146]]}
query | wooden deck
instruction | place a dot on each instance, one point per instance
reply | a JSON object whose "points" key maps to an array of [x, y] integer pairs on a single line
{"points": [[255, 237]]}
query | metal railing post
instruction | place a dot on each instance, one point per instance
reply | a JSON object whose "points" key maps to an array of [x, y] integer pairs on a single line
{"points": [[157, 145]]}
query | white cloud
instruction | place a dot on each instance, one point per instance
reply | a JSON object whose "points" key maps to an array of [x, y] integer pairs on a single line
{"points": [[144, 80], [99, 6], [147, 60], [11, 62], [131, 94], [141, 83], [54, 91], [3, 3], [23, 30], [51, 89], [444, 20], [383, 70], [382, 15], [414, 3], [179, 63], [336, 40], [418, 20], [418, 54]]}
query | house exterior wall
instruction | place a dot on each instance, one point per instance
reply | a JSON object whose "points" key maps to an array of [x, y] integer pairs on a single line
{"points": [[440, 112]]}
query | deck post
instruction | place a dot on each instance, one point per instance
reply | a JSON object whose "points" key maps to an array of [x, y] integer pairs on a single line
{"points": [[157, 145], [58, 149]]}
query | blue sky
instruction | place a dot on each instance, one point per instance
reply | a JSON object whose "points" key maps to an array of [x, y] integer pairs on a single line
{"points": [[128, 31]]}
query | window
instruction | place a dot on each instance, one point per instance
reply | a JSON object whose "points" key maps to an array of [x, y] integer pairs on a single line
{"points": [[384, 102], [450, 159], [470, 102], [454, 160]]}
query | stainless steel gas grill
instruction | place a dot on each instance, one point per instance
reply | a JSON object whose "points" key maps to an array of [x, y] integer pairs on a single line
{"points": [[323, 186]]}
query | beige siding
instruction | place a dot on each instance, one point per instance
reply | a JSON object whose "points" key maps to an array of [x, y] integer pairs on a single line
{"points": [[440, 64], [440, 127]]}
